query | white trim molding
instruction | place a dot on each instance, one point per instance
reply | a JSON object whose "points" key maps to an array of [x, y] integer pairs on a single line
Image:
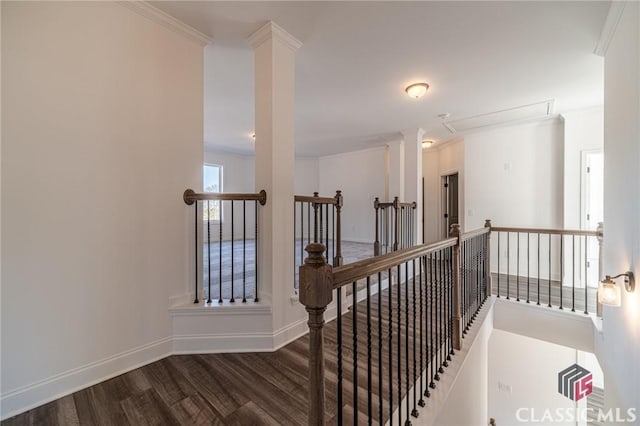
{"points": [[33, 395], [271, 30], [609, 28], [160, 17]]}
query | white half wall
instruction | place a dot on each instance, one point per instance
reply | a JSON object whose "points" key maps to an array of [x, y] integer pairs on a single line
{"points": [[523, 379], [102, 132], [361, 177]]}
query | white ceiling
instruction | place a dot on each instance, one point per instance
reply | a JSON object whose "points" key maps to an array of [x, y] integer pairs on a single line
{"points": [[357, 57]]}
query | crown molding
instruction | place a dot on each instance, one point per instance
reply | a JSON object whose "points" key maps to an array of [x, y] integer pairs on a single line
{"points": [[160, 17], [610, 26], [271, 30]]}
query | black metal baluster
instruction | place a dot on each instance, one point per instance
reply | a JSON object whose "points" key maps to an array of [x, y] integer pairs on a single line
{"points": [[422, 330], [333, 236], [390, 369], [414, 412], [209, 252], [339, 354], [220, 255], [195, 253], [354, 324], [561, 268], [440, 303], [369, 393], [232, 253], [539, 270], [380, 376], [320, 225], [446, 357], [301, 237], [244, 252], [508, 264], [399, 306], [573, 273], [255, 287], [499, 256], [518, 267], [432, 320], [528, 263], [451, 351], [406, 344], [549, 282], [326, 239]]}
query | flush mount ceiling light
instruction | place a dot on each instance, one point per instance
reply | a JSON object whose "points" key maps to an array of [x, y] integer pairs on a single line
{"points": [[417, 90], [427, 144], [253, 136]]}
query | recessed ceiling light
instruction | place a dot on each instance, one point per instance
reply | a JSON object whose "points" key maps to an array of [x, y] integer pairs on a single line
{"points": [[427, 144], [417, 90]]}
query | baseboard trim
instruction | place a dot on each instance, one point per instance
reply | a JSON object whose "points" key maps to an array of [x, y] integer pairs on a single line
{"points": [[222, 343], [30, 396]]}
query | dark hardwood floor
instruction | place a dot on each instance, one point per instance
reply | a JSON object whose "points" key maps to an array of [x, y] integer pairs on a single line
{"points": [[266, 388]]}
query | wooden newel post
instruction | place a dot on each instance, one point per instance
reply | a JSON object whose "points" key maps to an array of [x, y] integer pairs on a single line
{"points": [[600, 233], [487, 260], [376, 243], [337, 260], [316, 292], [457, 315]]}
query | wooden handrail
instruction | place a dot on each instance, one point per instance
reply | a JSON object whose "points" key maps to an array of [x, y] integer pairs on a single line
{"points": [[314, 199], [190, 196], [361, 269], [576, 232], [475, 233]]}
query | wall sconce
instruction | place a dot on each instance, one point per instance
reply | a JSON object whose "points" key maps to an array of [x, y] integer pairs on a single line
{"points": [[609, 292]]}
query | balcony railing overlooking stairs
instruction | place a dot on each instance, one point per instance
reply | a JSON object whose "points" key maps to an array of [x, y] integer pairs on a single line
{"points": [[385, 354], [229, 226], [551, 267], [395, 226]]}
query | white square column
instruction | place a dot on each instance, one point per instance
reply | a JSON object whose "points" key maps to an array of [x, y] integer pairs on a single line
{"points": [[413, 175], [395, 170], [274, 50]]}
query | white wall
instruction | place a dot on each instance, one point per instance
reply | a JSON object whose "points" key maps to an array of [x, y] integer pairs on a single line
{"points": [[583, 131], [514, 176], [436, 163], [523, 372], [361, 177], [102, 132], [618, 349], [307, 179]]}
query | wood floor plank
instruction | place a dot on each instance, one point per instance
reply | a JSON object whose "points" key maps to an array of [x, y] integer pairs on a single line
{"points": [[251, 414], [147, 409], [193, 410]]}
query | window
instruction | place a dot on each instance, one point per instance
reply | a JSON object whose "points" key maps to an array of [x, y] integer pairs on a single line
{"points": [[212, 174]]}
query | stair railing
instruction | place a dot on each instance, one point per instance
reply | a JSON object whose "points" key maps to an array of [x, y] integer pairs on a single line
{"points": [[418, 303]]}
